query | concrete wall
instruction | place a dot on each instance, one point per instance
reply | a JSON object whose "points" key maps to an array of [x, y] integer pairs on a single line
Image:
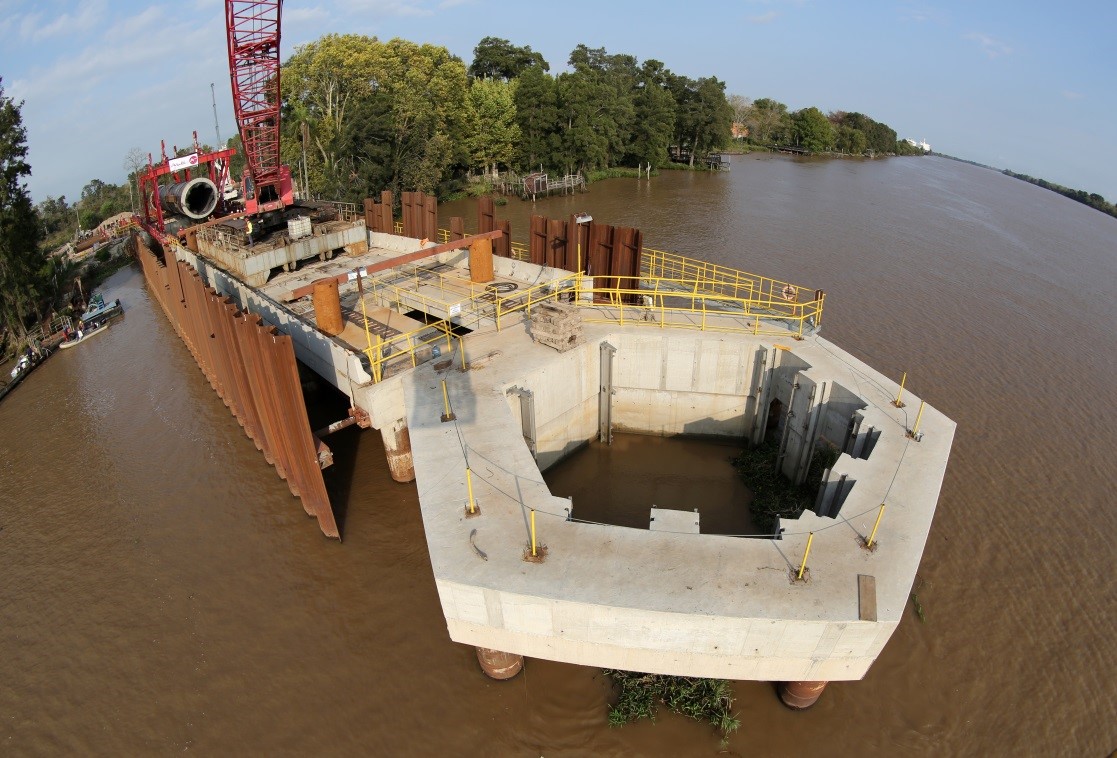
{"points": [[678, 384], [637, 639], [841, 404], [565, 403], [327, 357]]}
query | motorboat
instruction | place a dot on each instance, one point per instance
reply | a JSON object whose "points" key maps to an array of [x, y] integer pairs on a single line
{"points": [[85, 334]]}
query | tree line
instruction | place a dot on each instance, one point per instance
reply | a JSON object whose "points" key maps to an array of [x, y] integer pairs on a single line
{"points": [[768, 123], [1092, 199], [362, 115], [34, 283]]}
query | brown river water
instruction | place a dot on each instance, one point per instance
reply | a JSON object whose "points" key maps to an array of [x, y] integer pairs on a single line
{"points": [[162, 592]]}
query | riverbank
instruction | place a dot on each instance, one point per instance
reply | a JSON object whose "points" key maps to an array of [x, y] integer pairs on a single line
{"points": [[92, 273]]}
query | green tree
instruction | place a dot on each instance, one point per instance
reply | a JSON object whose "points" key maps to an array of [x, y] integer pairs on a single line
{"points": [[600, 96], [812, 130], [537, 116], [703, 118], [655, 116], [20, 258], [419, 125], [493, 131], [58, 220], [850, 140], [768, 121], [583, 140], [425, 87], [714, 127], [319, 83], [496, 58]]}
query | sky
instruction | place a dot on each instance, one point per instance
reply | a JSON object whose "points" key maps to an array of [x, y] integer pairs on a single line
{"points": [[1029, 86]]}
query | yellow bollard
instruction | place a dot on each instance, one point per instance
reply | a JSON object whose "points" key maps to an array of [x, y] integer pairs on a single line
{"points": [[532, 532], [900, 394], [469, 486], [806, 552], [873, 535], [918, 418]]}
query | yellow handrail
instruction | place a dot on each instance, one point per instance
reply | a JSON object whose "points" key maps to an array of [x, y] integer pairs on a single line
{"points": [[670, 291]]}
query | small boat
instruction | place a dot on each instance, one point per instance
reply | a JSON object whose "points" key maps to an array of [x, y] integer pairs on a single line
{"points": [[99, 310], [22, 365], [85, 334]]}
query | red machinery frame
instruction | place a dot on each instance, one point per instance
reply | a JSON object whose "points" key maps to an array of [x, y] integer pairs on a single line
{"points": [[214, 165], [253, 28]]}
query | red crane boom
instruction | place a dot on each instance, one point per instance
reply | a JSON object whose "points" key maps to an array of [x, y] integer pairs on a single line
{"points": [[253, 35]]}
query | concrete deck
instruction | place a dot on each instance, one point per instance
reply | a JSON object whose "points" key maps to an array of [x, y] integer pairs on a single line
{"points": [[663, 600], [657, 601]]}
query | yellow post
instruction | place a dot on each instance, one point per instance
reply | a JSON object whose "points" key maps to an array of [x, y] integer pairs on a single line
{"points": [[364, 312], [445, 399], [533, 532], [806, 552], [918, 418], [461, 349], [900, 394], [873, 535], [469, 486]]}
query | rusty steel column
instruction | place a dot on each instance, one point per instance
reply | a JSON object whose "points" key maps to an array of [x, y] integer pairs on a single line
{"points": [[801, 695], [498, 664], [327, 306], [397, 448], [481, 261]]}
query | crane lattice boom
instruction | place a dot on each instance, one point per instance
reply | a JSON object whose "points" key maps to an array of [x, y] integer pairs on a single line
{"points": [[253, 35]]}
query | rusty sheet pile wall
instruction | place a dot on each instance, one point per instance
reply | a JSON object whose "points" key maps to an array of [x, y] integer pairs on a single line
{"points": [[252, 368]]}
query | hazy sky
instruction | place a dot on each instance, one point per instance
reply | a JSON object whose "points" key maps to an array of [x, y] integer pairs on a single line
{"points": [[1024, 85]]}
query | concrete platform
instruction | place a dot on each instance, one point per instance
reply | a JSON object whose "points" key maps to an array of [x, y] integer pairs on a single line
{"points": [[661, 600], [670, 602]]}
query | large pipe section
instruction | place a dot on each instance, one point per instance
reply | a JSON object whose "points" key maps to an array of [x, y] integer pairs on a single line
{"points": [[195, 198], [801, 695]]}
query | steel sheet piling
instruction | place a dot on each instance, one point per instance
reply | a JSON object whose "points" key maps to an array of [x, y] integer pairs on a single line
{"points": [[252, 368]]}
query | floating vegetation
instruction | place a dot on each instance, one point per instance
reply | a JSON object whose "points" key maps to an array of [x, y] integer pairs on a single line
{"points": [[701, 699], [772, 494], [915, 601], [918, 607]]}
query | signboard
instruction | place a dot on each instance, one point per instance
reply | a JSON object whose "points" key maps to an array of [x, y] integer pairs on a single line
{"points": [[455, 309], [186, 161]]}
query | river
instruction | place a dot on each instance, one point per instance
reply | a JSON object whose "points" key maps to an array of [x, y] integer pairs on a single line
{"points": [[163, 592]]}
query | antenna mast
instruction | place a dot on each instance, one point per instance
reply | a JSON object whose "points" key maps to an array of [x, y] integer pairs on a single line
{"points": [[216, 128]]}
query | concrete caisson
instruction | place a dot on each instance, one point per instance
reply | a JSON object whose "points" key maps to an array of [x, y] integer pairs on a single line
{"points": [[499, 665], [801, 695], [397, 448]]}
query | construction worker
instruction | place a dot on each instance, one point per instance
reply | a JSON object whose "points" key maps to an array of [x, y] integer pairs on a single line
{"points": [[249, 228]]}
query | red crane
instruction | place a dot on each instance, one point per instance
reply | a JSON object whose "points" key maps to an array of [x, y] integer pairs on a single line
{"points": [[253, 35]]}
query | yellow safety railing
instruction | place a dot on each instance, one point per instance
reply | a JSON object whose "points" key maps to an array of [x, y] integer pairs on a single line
{"points": [[406, 346], [683, 303], [713, 278], [710, 278], [671, 291], [523, 300], [347, 211]]}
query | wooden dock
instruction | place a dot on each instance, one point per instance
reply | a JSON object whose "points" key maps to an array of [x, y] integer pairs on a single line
{"points": [[541, 184]]}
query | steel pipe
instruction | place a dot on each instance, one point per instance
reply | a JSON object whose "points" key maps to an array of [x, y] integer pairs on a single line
{"points": [[196, 198]]}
